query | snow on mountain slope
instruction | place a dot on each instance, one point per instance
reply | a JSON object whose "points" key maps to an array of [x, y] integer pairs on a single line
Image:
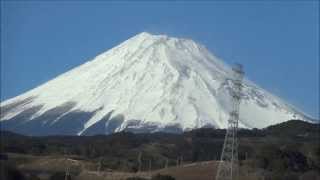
{"points": [[148, 83]]}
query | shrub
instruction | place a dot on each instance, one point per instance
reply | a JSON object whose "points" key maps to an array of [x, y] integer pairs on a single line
{"points": [[162, 177], [310, 175], [135, 178], [33, 177], [10, 172], [59, 176]]}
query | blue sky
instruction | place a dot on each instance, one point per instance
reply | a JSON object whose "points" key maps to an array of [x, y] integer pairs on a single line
{"points": [[277, 42]]}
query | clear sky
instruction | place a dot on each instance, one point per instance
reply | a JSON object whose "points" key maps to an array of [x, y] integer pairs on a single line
{"points": [[277, 42]]}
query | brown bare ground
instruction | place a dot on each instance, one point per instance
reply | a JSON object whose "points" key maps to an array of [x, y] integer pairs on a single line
{"points": [[195, 171], [192, 171]]}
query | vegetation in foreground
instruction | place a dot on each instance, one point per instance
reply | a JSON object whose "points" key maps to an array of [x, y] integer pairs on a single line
{"points": [[288, 150]]}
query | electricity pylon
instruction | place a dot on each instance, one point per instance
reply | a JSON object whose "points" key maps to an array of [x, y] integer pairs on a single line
{"points": [[67, 170], [139, 162], [228, 166]]}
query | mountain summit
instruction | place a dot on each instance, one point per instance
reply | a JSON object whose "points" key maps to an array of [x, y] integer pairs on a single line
{"points": [[148, 83]]}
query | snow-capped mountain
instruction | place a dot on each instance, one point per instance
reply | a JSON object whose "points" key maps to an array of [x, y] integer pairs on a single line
{"points": [[148, 83]]}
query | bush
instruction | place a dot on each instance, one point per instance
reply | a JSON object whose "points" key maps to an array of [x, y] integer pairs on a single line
{"points": [[33, 177], [310, 175], [59, 176], [10, 172], [135, 178], [162, 177]]}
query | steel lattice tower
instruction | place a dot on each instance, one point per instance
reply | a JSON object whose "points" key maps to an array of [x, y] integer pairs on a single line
{"points": [[228, 165]]}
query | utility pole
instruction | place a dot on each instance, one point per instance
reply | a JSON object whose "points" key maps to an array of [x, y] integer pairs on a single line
{"points": [[100, 165], [139, 161], [228, 166], [67, 171], [67, 175], [150, 167], [177, 161], [166, 163]]}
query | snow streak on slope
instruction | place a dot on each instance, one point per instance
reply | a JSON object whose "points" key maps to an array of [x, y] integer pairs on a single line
{"points": [[149, 82]]}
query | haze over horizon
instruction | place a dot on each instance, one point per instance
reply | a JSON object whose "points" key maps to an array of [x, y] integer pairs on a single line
{"points": [[279, 50]]}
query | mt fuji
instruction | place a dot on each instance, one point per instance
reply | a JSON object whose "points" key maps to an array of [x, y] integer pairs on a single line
{"points": [[148, 83]]}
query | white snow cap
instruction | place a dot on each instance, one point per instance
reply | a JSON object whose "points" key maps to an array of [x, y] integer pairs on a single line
{"points": [[159, 80]]}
